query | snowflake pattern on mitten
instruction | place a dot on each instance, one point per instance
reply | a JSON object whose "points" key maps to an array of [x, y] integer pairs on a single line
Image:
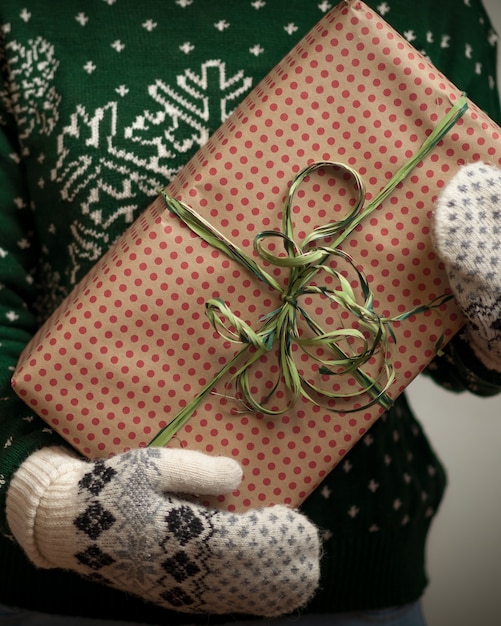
{"points": [[467, 235]]}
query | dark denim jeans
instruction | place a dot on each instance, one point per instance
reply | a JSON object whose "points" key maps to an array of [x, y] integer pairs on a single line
{"points": [[409, 615]]}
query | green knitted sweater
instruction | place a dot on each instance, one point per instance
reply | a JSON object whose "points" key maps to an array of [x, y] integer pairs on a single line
{"points": [[101, 102]]}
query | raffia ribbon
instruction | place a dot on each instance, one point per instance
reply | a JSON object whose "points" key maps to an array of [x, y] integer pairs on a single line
{"points": [[280, 327]]}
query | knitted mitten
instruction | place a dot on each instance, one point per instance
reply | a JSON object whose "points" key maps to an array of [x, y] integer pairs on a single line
{"points": [[467, 237], [117, 522]]}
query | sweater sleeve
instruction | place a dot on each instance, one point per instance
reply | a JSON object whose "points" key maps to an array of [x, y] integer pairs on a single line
{"points": [[458, 369], [21, 431]]}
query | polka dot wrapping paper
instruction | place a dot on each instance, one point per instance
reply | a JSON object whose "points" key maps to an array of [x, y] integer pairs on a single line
{"points": [[132, 346]]}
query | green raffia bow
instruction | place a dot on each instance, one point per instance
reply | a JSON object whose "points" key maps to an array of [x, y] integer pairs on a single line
{"points": [[304, 261]]}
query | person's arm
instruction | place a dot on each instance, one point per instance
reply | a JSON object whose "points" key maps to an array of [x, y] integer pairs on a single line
{"points": [[460, 368], [21, 431], [118, 521]]}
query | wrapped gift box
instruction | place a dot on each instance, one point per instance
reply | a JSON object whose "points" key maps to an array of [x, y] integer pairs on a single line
{"points": [[133, 346]]}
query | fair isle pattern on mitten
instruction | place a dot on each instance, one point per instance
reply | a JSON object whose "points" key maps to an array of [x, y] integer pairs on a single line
{"points": [[117, 522], [249, 555], [467, 237]]}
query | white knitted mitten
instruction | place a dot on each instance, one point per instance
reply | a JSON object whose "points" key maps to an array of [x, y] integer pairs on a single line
{"points": [[117, 522], [467, 237]]}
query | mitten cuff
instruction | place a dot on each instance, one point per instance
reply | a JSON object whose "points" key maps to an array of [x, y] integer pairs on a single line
{"points": [[29, 507]]}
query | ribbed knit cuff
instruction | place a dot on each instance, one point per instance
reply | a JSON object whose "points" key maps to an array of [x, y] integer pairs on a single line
{"points": [[32, 516]]}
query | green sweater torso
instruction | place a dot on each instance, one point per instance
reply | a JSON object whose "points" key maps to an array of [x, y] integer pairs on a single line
{"points": [[101, 102]]}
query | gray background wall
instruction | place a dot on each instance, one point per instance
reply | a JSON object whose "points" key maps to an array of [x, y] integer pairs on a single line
{"points": [[464, 554]]}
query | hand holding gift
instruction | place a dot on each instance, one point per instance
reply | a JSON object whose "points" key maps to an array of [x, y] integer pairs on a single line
{"points": [[123, 522], [467, 233]]}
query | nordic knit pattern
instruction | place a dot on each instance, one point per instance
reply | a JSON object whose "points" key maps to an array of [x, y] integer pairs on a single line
{"points": [[117, 522], [102, 101], [467, 233]]}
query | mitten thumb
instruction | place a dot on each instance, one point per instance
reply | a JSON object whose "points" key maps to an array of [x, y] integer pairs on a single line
{"points": [[192, 472]]}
